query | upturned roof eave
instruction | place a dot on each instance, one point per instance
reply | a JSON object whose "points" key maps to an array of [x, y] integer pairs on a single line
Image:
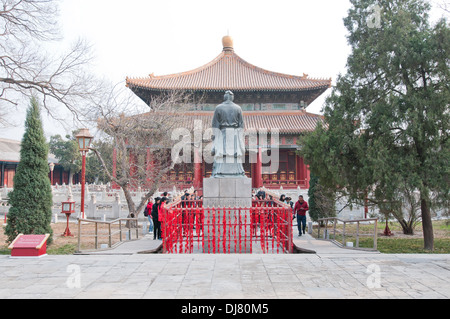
{"points": [[221, 89], [215, 69]]}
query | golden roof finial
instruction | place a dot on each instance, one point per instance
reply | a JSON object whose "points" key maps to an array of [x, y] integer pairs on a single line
{"points": [[227, 42]]}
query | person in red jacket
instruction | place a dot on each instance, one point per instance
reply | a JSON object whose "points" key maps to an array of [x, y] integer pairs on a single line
{"points": [[162, 211], [301, 207]]}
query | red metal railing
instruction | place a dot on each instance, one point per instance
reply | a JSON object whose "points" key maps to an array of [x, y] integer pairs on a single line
{"points": [[188, 227]]}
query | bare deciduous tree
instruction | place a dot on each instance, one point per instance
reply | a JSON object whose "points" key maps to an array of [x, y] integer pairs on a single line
{"points": [[443, 4], [143, 141], [26, 28]]}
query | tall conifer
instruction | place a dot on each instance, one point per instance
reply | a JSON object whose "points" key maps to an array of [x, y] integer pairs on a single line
{"points": [[31, 200]]}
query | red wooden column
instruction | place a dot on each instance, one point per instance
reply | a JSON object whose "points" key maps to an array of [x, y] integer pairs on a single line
{"points": [[303, 173], [198, 169], [257, 181], [258, 170], [253, 174], [298, 168]]}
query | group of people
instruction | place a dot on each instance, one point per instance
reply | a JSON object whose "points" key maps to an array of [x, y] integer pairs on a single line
{"points": [[261, 195], [299, 209], [188, 199], [155, 207], [190, 215], [153, 212]]}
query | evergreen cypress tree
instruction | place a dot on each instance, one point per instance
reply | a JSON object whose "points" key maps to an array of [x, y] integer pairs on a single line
{"points": [[314, 212], [321, 201], [387, 119], [31, 200]]}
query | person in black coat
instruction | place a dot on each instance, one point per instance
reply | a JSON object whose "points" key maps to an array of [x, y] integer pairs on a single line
{"points": [[155, 216]]}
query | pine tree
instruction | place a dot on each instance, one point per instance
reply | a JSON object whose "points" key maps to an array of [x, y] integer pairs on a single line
{"points": [[387, 119], [314, 212], [322, 201], [31, 200]]}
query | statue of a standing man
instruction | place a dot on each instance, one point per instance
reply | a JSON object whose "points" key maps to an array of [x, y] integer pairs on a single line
{"points": [[228, 139]]}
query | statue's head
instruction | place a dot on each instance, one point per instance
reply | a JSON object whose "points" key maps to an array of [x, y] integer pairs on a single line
{"points": [[229, 96]]}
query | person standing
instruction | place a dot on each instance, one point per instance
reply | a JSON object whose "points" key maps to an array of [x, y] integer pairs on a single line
{"points": [[301, 207], [162, 211], [184, 199], [155, 216], [148, 210]]}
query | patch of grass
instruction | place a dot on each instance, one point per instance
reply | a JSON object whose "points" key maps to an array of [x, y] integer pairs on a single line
{"points": [[398, 244], [390, 245], [443, 226], [68, 249]]}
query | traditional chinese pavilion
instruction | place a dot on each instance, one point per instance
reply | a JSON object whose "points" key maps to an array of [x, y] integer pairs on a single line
{"points": [[269, 100], [10, 159]]}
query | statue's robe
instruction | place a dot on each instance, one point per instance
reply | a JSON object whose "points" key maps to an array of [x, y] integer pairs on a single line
{"points": [[229, 142]]}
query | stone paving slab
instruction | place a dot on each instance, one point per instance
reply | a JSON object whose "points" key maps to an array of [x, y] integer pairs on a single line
{"points": [[323, 247], [122, 273], [226, 277], [147, 243]]}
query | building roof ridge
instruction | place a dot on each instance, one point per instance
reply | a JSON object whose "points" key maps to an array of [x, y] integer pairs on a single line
{"points": [[220, 65], [173, 75]]}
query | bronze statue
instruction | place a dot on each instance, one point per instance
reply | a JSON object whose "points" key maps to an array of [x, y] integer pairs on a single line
{"points": [[228, 139]]}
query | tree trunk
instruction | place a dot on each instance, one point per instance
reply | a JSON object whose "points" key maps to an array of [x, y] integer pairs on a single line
{"points": [[131, 206], [407, 228], [71, 173], [427, 224]]}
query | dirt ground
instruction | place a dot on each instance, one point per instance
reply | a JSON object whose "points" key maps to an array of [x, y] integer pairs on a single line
{"points": [[88, 238]]}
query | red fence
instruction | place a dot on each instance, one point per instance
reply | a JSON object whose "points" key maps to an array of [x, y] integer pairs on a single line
{"points": [[188, 228]]}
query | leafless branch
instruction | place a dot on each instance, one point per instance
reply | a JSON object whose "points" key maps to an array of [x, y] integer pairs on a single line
{"points": [[29, 18], [142, 139], [26, 68]]}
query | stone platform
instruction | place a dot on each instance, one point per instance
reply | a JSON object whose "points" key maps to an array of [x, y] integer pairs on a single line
{"points": [[228, 193]]}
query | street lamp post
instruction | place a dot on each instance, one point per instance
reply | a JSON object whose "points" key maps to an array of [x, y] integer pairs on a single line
{"points": [[52, 167], [68, 208], [84, 139]]}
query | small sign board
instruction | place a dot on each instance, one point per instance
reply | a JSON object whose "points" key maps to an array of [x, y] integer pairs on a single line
{"points": [[29, 246]]}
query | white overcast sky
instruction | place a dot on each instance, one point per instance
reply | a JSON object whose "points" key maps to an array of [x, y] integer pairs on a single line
{"points": [[139, 37]]}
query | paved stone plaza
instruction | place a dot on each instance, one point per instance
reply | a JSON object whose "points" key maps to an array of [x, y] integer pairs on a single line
{"points": [[332, 273]]}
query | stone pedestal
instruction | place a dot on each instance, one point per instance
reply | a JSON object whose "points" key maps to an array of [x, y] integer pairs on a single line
{"points": [[227, 192], [231, 227]]}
